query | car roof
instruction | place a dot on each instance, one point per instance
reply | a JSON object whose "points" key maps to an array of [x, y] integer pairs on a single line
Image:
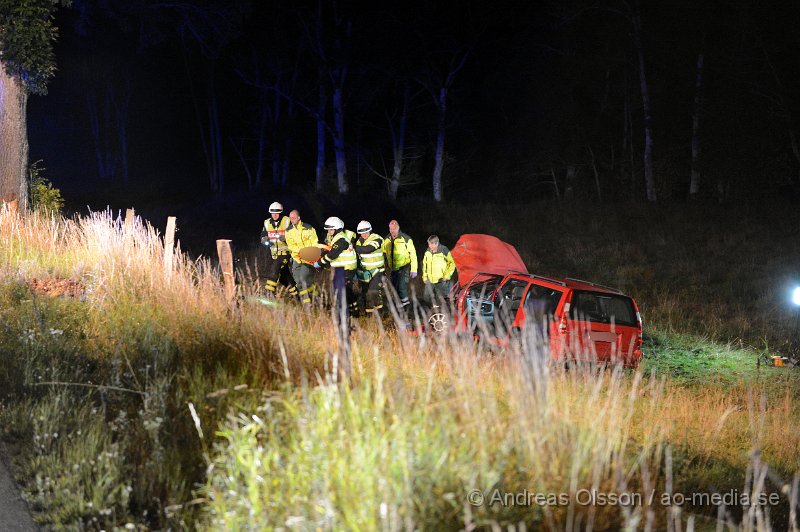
{"points": [[568, 282]]}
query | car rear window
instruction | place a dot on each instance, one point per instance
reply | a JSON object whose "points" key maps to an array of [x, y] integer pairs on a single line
{"points": [[603, 308]]}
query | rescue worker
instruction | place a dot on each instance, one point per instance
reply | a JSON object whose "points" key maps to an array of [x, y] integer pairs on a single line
{"points": [[273, 236], [438, 268], [300, 235], [342, 258], [401, 260], [369, 248]]}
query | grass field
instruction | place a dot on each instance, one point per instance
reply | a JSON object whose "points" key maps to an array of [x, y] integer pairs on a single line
{"points": [[136, 396]]}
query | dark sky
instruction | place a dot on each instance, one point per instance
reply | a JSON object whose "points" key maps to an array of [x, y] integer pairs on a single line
{"points": [[547, 88]]}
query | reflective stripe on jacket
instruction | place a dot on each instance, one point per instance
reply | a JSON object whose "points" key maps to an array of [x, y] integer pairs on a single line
{"points": [[370, 253], [341, 254], [438, 265], [300, 236], [276, 233], [399, 252]]}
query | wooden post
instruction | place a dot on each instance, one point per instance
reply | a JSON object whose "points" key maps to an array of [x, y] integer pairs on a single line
{"points": [[226, 263], [169, 244], [129, 214]]}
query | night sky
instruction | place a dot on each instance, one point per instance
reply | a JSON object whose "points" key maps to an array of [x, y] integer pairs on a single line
{"points": [[547, 88]]}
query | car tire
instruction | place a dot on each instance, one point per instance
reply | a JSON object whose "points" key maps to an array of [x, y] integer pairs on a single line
{"points": [[437, 322]]}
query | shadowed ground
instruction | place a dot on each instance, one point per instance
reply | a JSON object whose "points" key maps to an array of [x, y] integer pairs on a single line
{"points": [[14, 516]]}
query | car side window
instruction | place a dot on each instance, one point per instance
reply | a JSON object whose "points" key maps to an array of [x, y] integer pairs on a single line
{"points": [[542, 301], [511, 292]]}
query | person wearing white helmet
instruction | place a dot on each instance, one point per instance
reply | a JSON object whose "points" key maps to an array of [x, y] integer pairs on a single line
{"points": [[342, 258], [300, 235], [273, 236], [369, 248]]}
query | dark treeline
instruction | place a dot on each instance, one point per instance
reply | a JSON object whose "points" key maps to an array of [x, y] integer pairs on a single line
{"points": [[609, 100]]}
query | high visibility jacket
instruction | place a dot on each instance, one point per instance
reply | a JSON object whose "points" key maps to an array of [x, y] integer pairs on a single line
{"points": [[341, 254], [300, 236], [399, 252], [275, 233], [370, 253], [438, 265]]}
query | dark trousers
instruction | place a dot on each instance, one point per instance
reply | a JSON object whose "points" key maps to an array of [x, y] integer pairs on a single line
{"points": [[279, 271], [437, 293], [372, 291], [343, 293], [400, 280]]}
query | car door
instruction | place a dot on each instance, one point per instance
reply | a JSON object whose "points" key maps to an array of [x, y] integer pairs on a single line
{"points": [[539, 308], [474, 301], [507, 301]]}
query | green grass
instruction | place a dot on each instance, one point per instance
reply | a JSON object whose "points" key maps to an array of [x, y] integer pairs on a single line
{"points": [[693, 361]]}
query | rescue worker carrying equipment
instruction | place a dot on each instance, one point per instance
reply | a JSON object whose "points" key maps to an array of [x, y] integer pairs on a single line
{"points": [[401, 260], [300, 235], [342, 258], [273, 236], [438, 268], [369, 248]]}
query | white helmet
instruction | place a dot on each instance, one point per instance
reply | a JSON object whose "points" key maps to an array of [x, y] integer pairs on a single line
{"points": [[275, 207], [364, 227], [334, 223]]}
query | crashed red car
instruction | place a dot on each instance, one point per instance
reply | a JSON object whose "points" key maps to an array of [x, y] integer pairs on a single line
{"points": [[576, 320]]}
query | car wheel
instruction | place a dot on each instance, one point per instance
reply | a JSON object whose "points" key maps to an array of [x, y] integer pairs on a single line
{"points": [[437, 322]]}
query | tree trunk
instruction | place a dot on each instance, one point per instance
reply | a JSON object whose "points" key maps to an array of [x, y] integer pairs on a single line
{"points": [[570, 176], [276, 126], [94, 127], [338, 140], [262, 136], [439, 165], [13, 139], [694, 183], [320, 176], [399, 145], [596, 175], [287, 145], [649, 180], [121, 106]]}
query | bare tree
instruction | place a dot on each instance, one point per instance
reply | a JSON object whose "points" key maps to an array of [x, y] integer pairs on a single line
{"points": [[438, 84], [273, 118], [694, 183], [208, 26], [649, 180], [107, 104]]}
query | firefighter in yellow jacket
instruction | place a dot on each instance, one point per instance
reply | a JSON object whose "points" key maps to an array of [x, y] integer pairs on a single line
{"points": [[438, 268], [300, 235], [273, 236], [401, 260], [342, 258], [369, 248]]}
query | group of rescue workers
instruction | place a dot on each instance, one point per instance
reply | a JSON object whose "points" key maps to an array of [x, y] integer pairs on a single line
{"points": [[359, 259]]}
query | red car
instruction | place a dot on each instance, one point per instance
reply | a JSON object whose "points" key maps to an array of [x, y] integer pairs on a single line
{"points": [[577, 320]]}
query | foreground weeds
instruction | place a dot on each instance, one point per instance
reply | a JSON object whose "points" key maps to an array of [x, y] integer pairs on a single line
{"points": [[139, 397]]}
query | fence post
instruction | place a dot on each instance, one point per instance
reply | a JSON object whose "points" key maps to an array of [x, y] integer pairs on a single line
{"points": [[129, 215], [226, 263], [169, 244]]}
